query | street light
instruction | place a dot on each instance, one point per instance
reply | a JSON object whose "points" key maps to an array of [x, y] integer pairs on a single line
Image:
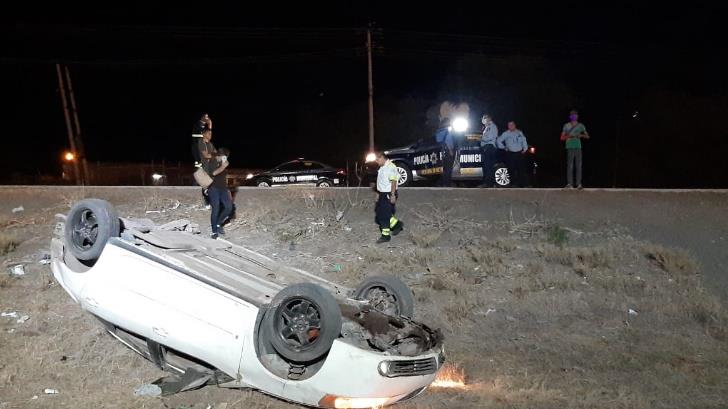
{"points": [[69, 156]]}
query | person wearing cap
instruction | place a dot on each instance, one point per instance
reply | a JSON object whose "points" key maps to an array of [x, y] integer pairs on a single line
{"points": [[488, 150], [572, 133], [514, 142], [387, 194]]}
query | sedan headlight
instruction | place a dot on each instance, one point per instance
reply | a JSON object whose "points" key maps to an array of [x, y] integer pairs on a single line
{"points": [[250, 176], [371, 157]]}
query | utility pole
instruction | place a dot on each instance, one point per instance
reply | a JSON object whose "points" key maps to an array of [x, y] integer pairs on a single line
{"points": [[71, 141], [371, 89], [79, 140]]}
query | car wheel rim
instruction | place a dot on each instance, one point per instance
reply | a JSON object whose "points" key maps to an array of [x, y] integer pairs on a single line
{"points": [[402, 176], [382, 300], [299, 323], [324, 184], [85, 230], [263, 184], [502, 177]]}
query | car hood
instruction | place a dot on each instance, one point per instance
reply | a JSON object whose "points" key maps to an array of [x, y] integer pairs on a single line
{"points": [[403, 149]]}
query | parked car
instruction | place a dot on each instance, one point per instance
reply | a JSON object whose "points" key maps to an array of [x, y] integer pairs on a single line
{"points": [[422, 161], [299, 172], [220, 313]]}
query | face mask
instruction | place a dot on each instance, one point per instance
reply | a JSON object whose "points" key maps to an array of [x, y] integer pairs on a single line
{"points": [[573, 117]]}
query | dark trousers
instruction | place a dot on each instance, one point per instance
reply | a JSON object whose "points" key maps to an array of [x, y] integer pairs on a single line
{"points": [[222, 206], [573, 159], [196, 151], [516, 167], [384, 212], [488, 156], [447, 162]]}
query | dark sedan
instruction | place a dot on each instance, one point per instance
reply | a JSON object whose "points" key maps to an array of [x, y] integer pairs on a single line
{"points": [[299, 172]]}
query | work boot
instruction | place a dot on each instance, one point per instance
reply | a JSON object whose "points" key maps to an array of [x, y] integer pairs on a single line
{"points": [[220, 230], [384, 239], [398, 228]]}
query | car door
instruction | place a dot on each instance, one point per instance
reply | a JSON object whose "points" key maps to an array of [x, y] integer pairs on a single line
{"points": [[285, 174], [309, 172], [468, 157], [427, 159]]}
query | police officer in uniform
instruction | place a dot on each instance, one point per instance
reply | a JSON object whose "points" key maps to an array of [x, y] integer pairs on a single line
{"points": [[385, 210]]}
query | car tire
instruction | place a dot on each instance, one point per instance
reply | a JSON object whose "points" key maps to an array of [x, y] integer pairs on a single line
{"points": [[263, 183], [324, 183], [89, 225], [405, 174], [502, 176], [387, 294], [303, 322]]}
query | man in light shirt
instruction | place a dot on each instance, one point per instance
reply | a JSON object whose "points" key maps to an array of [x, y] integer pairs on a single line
{"points": [[387, 178], [513, 141], [488, 150]]}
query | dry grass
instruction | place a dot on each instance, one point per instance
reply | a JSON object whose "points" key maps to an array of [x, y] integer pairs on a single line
{"points": [[676, 262], [8, 243], [503, 244], [425, 239], [582, 259]]}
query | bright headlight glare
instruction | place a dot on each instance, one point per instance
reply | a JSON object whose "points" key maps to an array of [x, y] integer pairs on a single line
{"points": [[249, 176], [371, 157], [383, 368], [460, 124]]}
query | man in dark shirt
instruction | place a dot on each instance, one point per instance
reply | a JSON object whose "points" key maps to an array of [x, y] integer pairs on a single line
{"points": [[220, 198]]}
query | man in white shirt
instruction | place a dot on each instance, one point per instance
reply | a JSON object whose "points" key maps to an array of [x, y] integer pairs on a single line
{"points": [[387, 178]]}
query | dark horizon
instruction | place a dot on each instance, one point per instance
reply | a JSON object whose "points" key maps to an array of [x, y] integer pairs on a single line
{"points": [[295, 85]]}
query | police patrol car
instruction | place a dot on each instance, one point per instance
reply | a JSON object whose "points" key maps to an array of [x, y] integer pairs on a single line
{"points": [[299, 172], [422, 161]]}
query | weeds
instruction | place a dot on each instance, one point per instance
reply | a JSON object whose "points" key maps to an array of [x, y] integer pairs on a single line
{"points": [[8, 243], [673, 261], [557, 236]]}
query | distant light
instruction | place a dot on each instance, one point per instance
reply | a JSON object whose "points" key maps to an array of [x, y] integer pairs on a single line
{"points": [[249, 176], [532, 149], [460, 124], [157, 177], [371, 157], [69, 156], [636, 114]]}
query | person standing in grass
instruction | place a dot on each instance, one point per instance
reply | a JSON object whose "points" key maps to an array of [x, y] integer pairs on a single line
{"points": [[572, 133]]}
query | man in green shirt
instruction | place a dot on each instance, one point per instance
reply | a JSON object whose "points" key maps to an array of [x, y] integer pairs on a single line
{"points": [[572, 133]]}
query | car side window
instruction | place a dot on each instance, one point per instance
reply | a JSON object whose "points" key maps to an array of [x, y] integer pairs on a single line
{"points": [[288, 167]]}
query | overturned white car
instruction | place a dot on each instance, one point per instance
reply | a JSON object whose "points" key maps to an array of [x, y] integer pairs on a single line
{"points": [[218, 313]]}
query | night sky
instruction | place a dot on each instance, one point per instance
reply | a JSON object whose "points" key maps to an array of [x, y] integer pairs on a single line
{"points": [[291, 81]]}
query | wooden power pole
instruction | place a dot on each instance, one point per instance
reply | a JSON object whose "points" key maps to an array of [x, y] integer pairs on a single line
{"points": [[371, 89], [79, 141], [69, 127]]}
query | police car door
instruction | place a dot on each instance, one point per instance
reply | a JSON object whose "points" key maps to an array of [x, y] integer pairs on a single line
{"points": [[427, 159], [285, 174], [468, 157], [309, 173]]}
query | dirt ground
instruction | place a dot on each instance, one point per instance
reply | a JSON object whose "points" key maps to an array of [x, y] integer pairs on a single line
{"points": [[547, 299]]}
